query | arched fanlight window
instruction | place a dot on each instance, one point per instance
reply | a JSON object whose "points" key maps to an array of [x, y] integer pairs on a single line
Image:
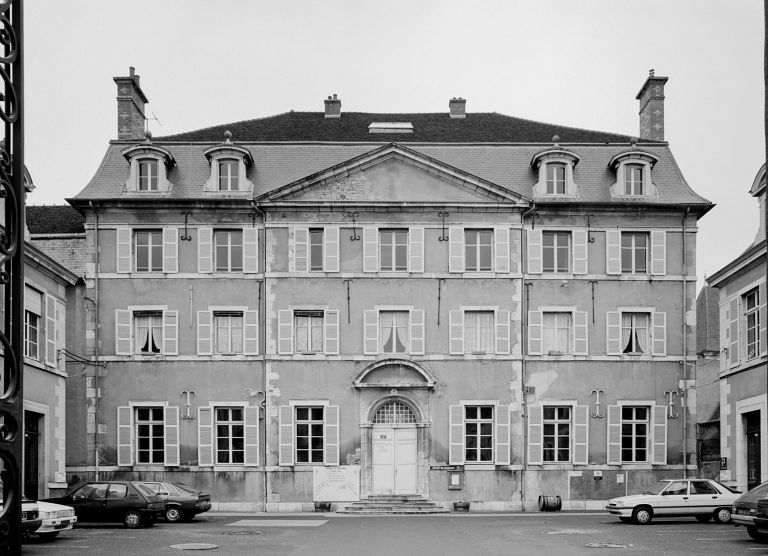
{"points": [[394, 413]]}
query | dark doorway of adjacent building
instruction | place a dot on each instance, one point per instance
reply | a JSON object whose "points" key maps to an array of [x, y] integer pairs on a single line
{"points": [[752, 429], [31, 454]]}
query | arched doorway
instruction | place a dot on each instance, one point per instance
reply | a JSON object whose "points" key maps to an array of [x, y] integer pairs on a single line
{"points": [[394, 447]]}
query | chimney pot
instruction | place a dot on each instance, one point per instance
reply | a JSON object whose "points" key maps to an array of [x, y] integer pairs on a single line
{"points": [[651, 97], [457, 108], [333, 107]]}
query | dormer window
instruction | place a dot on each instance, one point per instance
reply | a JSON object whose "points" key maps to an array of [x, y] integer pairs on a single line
{"points": [[633, 174], [149, 166], [228, 168], [555, 166]]}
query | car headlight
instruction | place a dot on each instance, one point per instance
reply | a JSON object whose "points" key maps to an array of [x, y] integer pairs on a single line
{"points": [[66, 513], [618, 503], [47, 515]]}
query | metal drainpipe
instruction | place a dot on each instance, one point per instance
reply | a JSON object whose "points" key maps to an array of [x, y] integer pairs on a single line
{"points": [[96, 348], [523, 348], [685, 348], [263, 342]]}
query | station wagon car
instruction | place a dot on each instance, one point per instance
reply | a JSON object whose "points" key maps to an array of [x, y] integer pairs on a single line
{"points": [[703, 499], [128, 502], [182, 503]]}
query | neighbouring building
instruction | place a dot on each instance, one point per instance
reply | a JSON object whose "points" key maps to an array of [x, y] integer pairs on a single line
{"points": [[329, 306], [707, 381], [743, 357]]}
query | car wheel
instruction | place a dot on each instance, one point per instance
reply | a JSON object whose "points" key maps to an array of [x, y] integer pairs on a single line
{"points": [[642, 516], [625, 519], [722, 515], [173, 514], [132, 520], [703, 518], [756, 535], [49, 536]]}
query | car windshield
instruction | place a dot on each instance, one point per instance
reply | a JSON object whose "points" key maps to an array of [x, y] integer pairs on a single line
{"points": [[656, 488]]}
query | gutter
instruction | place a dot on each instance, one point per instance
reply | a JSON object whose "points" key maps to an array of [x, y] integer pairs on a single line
{"points": [[263, 344]]}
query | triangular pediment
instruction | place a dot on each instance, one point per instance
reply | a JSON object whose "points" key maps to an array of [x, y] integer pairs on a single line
{"points": [[393, 173]]}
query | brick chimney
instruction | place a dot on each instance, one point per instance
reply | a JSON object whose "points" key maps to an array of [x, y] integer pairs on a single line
{"points": [[130, 107], [333, 107], [457, 107], [651, 97]]}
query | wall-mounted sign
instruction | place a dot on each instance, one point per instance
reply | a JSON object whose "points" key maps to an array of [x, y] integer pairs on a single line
{"points": [[336, 484], [723, 463]]}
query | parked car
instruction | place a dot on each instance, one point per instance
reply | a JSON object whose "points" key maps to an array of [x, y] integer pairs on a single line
{"points": [[703, 499], [55, 519], [744, 511], [128, 502], [182, 503], [30, 518]]}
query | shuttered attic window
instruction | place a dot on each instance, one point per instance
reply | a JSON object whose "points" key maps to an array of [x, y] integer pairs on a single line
{"points": [[390, 127]]}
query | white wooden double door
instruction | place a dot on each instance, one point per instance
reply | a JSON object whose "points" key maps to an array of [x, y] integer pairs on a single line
{"points": [[394, 459]]}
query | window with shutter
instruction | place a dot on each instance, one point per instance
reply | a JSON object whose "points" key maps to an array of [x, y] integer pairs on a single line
{"points": [[170, 250]]}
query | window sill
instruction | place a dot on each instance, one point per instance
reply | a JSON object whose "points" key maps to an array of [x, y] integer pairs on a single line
{"points": [[469, 466]]}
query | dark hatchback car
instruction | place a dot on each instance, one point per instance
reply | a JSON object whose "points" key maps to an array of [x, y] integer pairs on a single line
{"points": [[182, 503], [127, 502], [745, 512]]}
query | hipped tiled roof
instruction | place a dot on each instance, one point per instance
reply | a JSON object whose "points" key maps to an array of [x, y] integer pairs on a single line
{"points": [[54, 219]]}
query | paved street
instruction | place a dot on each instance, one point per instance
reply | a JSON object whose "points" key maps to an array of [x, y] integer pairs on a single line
{"points": [[320, 534]]}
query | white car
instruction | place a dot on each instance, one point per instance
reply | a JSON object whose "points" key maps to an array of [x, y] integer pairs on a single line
{"points": [[55, 517], [703, 499]]}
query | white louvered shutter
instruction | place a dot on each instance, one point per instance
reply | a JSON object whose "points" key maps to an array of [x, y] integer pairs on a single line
{"points": [[659, 253], [580, 333], [331, 326], [250, 250], [331, 249], [123, 250], [659, 332], [285, 435], [456, 435], [170, 332], [502, 331], [50, 330], [535, 435], [456, 332], [171, 436], [170, 250], [300, 250], [251, 414], [725, 330], [580, 265], [417, 332], [370, 332], [501, 435], [733, 333], [60, 334], [659, 435], [205, 436], [613, 252], [762, 318], [285, 332], [535, 332], [614, 435], [124, 436], [250, 333], [332, 435], [534, 251], [416, 249], [370, 249], [205, 250], [455, 249], [501, 250], [122, 332], [613, 333], [204, 333], [581, 435]]}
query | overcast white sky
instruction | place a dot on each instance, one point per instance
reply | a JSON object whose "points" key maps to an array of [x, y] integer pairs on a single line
{"points": [[576, 63]]}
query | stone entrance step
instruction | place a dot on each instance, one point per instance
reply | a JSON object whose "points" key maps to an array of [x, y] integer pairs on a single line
{"points": [[393, 504]]}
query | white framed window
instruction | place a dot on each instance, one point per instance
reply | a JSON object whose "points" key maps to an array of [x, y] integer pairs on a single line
{"points": [[636, 331], [558, 433], [556, 424], [555, 168], [149, 250], [31, 335], [148, 434], [478, 250], [633, 174], [309, 433], [393, 330], [229, 332], [751, 305], [637, 432], [229, 174], [557, 331], [556, 251], [149, 166], [229, 423], [479, 433], [633, 179], [146, 331], [634, 252], [147, 174], [556, 178], [308, 330], [479, 330], [743, 326], [314, 249], [393, 250], [228, 250]]}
